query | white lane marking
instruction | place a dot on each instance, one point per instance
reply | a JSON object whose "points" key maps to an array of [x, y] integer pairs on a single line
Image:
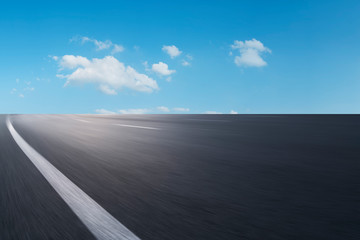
{"points": [[80, 120], [100, 223], [133, 126]]}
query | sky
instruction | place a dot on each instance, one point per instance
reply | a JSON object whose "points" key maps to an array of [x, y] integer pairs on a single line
{"points": [[245, 57]]}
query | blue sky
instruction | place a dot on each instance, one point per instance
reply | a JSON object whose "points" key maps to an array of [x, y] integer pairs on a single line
{"points": [[180, 57]]}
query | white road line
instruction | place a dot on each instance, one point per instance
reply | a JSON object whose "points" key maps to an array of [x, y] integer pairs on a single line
{"points": [[100, 223], [80, 120], [133, 126]]}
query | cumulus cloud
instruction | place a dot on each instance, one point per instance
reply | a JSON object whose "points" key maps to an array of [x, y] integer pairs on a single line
{"points": [[163, 109], [100, 45], [71, 61], [104, 111], [250, 53], [108, 73], [134, 111], [162, 69], [233, 112], [172, 51], [181, 109]]}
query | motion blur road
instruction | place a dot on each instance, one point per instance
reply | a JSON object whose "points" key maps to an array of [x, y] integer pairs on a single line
{"points": [[186, 176]]}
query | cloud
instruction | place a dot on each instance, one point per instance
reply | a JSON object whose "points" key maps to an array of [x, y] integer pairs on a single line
{"points": [[233, 112], [134, 111], [250, 53], [104, 111], [107, 90], [71, 61], [162, 69], [172, 51], [181, 109], [30, 89], [23, 87], [117, 48], [100, 45], [211, 112], [185, 63], [163, 109], [110, 74]]}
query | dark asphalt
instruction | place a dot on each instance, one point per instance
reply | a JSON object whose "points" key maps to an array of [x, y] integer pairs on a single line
{"points": [[195, 177]]}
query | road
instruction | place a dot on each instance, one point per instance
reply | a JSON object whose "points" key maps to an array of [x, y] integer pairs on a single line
{"points": [[180, 176]]}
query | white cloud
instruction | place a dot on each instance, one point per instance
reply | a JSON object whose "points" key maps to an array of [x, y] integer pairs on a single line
{"points": [[134, 111], [107, 90], [211, 112], [189, 57], [163, 109], [185, 63], [110, 74], [71, 61], [104, 111], [181, 109], [100, 45], [162, 69], [55, 58], [146, 65], [250, 53], [30, 89], [21, 90], [233, 112], [172, 51], [117, 48]]}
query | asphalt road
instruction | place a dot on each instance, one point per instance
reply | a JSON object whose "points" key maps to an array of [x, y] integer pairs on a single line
{"points": [[186, 176]]}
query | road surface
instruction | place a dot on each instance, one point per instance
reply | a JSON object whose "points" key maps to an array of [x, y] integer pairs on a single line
{"points": [[179, 177]]}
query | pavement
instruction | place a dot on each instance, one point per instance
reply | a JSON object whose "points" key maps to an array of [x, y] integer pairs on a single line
{"points": [[179, 177]]}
